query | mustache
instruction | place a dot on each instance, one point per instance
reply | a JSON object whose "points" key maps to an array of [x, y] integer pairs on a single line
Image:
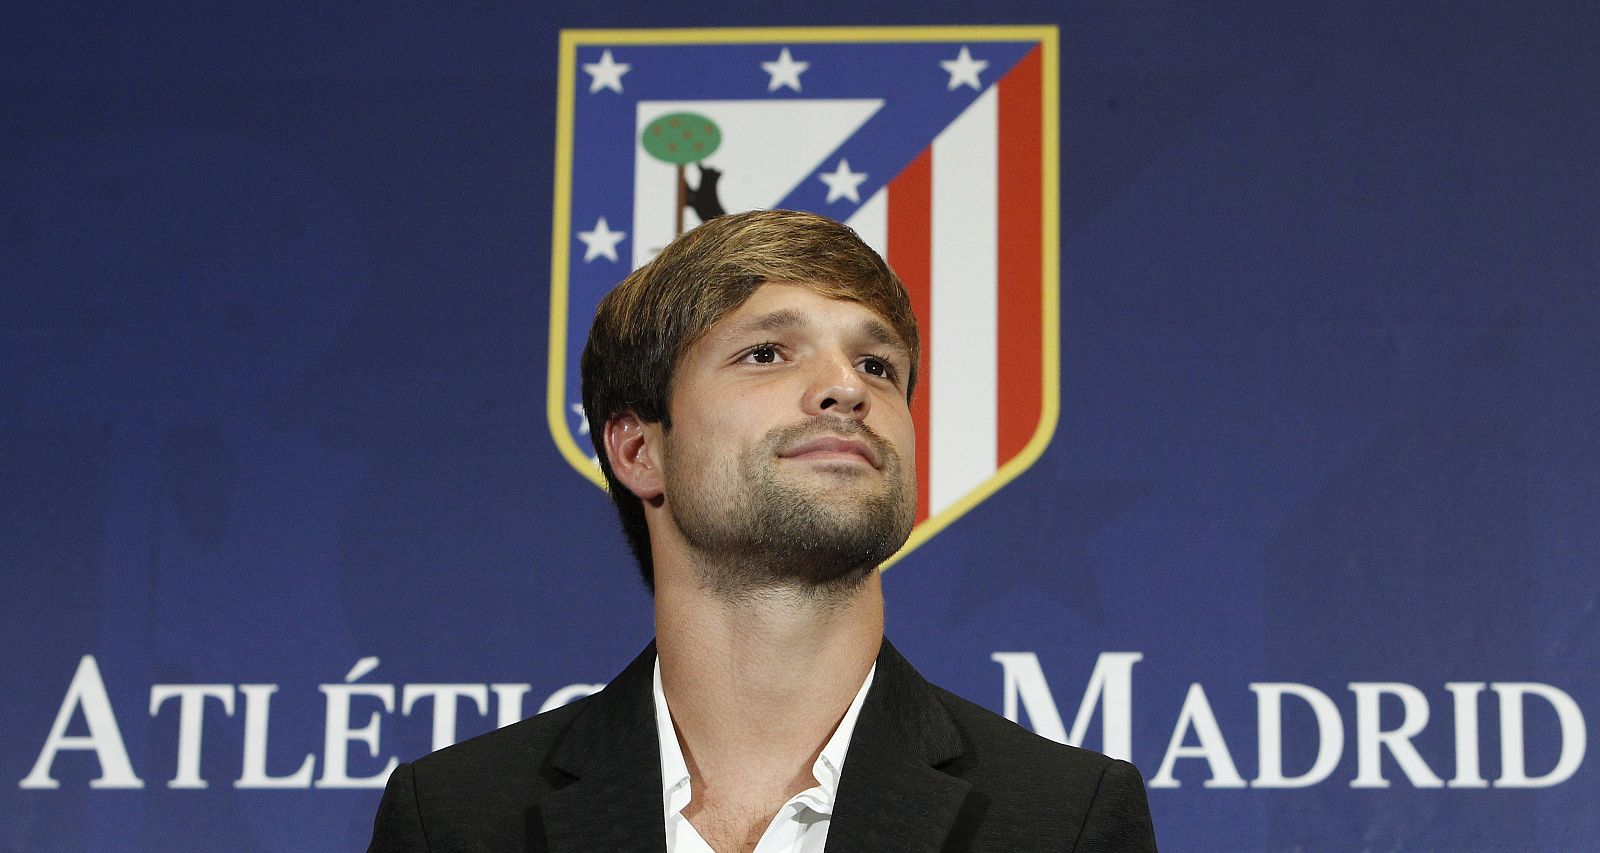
{"points": [[783, 438]]}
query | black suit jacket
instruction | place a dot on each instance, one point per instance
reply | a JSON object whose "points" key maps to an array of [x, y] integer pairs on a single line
{"points": [[926, 771]]}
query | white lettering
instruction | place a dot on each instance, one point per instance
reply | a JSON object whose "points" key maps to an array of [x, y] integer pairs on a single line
{"points": [[1197, 714], [191, 719], [570, 693], [445, 700], [339, 734], [1466, 705], [253, 773], [508, 702], [1269, 730], [1108, 695], [1371, 739], [1513, 758], [1110, 688], [86, 691]]}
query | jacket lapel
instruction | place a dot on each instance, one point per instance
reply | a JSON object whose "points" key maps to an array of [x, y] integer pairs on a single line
{"points": [[891, 796], [611, 750]]}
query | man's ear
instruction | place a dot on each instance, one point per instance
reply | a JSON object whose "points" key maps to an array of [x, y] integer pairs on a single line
{"points": [[633, 447]]}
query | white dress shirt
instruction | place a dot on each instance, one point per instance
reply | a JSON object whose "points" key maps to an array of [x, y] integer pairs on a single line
{"points": [[801, 826]]}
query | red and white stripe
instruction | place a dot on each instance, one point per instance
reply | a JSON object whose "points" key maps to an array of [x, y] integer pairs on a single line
{"points": [[962, 226]]}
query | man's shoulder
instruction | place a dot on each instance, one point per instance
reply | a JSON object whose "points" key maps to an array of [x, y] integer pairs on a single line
{"points": [[491, 792], [1024, 792], [995, 746], [476, 791], [513, 757], [1035, 788]]}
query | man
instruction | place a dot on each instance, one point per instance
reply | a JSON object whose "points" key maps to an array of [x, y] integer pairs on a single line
{"points": [[748, 397]]}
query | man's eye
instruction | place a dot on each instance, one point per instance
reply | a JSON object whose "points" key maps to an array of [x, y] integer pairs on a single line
{"points": [[875, 366], [763, 354]]}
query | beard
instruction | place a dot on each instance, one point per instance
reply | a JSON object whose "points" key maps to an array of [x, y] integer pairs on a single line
{"points": [[759, 530]]}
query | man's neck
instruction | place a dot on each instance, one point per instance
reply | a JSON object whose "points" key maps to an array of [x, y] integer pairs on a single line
{"points": [[757, 685]]}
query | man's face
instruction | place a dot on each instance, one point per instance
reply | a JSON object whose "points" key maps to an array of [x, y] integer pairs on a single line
{"points": [[791, 458]]}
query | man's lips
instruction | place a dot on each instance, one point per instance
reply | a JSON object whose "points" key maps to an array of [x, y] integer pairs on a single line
{"points": [[831, 447]]}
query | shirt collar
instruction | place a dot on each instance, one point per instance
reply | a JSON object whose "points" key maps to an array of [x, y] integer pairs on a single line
{"points": [[676, 790]]}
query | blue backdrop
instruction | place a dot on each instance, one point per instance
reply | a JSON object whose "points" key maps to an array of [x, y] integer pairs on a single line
{"points": [[279, 497]]}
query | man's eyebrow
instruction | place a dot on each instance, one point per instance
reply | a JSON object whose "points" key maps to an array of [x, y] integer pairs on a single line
{"points": [[785, 319], [879, 333], [772, 321]]}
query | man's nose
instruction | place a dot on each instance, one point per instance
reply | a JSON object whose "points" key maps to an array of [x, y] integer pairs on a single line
{"points": [[836, 388]]}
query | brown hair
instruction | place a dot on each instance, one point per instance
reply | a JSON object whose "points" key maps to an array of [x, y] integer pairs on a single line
{"points": [[645, 324]]}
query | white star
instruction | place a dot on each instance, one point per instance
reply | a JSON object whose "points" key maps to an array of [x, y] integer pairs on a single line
{"points": [[601, 241], [842, 182], [583, 429], [964, 69], [607, 73], [785, 72]]}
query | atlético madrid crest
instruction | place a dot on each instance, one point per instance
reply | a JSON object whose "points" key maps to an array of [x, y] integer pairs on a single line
{"points": [[938, 145]]}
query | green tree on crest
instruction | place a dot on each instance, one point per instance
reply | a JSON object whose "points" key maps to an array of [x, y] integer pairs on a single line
{"points": [[681, 139]]}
